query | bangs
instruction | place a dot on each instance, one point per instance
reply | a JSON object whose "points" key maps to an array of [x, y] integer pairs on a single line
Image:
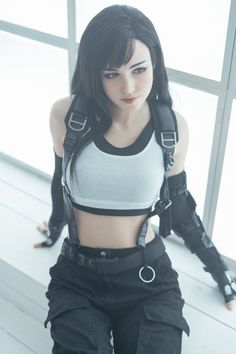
{"points": [[118, 53]]}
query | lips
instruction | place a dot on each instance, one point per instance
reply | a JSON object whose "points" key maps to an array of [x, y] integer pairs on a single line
{"points": [[129, 100]]}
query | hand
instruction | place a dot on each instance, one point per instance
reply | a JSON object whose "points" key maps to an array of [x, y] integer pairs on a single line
{"points": [[229, 305], [227, 286], [52, 233], [43, 229]]}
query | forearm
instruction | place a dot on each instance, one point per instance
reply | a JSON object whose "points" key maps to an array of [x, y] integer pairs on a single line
{"points": [[57, 215], [188, 225], [56, 221]]}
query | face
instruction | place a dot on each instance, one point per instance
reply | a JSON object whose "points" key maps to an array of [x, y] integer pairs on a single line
{"points": [[128, 87]]}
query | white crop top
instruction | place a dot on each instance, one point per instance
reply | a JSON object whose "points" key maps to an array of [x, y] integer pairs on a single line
{"points": [[109, 180]]}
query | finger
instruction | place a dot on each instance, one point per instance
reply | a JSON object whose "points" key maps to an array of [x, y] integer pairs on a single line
{"points": [[42, 228], [229, 305], [43, 232], [45, 223], [38, 245]]}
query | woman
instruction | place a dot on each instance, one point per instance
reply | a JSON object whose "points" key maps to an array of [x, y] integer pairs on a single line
{"points": [[114, 181]]}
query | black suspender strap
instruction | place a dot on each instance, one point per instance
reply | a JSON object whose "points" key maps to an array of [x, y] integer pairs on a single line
{"points": [[77, 124], [166, 131], [78, 132], [167, 136]]}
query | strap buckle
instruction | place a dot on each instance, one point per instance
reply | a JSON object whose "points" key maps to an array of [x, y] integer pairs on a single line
{"points": [[77, 121], [65, 187], [168, 139], [161, 206]]}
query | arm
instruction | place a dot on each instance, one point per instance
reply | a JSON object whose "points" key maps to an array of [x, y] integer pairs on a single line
{"points": [[57, 123], [187, 224], [181, 147], [56, 223]]}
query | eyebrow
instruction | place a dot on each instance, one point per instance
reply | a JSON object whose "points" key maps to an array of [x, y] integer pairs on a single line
{"points": [[141, 62], [131, 67]]}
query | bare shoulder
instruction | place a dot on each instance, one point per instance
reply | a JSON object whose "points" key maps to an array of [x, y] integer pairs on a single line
{"points": [[182, 130], [182, 124], [182, 145], [60, 108], [58, 113]]}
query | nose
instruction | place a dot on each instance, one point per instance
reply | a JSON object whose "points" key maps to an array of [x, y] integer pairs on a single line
{"points": [[128, 86]]}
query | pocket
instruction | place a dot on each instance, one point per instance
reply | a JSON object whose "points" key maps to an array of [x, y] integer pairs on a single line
{"points": [[164, 314], [63, 302]]}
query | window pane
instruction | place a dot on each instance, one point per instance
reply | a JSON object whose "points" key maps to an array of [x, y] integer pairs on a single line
{"points": [[199, 110], [86, 10], [47, 16], [33, 76], [224, 228], [192, 33]]}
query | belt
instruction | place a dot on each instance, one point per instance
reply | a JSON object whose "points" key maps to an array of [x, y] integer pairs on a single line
{"points": [[115, 265]]}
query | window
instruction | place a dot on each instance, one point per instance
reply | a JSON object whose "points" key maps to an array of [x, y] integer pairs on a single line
{"points": [[33, 76], [192, 33], [46, 16], [199, 110], [198, 40], [224, 233]]}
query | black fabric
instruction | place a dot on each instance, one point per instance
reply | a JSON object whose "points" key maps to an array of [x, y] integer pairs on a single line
{"points": [[113, 265], [56, 221], [52, 234], [133, 149], [116, 212], [57, 215], [188, 225], [85, 308]]}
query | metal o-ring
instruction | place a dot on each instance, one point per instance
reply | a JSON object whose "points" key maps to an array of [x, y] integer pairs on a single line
{"points": [[153, 274]]}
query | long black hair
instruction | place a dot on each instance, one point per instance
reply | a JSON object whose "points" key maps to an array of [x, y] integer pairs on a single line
{"points": [[108, 41]]}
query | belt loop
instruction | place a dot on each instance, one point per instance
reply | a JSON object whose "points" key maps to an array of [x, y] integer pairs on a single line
{"points": [[142, 235], [144, 261], [141, 241]]}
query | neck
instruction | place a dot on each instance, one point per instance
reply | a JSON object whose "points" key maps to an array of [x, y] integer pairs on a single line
{"points": [[126, 119]]}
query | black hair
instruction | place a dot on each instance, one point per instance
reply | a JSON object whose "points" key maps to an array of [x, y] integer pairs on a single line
{"points": [[108, 41]]}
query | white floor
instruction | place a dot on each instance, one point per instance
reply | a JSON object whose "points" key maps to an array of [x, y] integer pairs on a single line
{"points": [[25, 202]]}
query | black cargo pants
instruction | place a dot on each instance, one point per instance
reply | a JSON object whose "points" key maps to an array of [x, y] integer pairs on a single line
{"points": [[90, 312]]}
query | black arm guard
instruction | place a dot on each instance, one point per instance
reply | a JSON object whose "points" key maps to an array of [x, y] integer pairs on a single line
{"points": [[187, 224], [52, 234], [57, 216], [56, 222]]}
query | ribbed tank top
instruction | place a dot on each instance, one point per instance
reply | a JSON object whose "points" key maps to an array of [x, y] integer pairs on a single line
{"points": [[109, 180]]}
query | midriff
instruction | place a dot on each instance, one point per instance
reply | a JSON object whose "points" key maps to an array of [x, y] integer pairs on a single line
{"points": [[103, 231]]}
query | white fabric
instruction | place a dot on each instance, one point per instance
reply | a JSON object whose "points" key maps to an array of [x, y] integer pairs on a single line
{"points": [[102, 180]]}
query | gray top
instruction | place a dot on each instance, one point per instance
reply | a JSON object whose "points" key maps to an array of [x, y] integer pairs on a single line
{"points": [[118, 181]]}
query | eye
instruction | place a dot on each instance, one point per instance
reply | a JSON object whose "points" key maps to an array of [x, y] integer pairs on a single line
{"points": [[139, 70], [110, 75]]}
